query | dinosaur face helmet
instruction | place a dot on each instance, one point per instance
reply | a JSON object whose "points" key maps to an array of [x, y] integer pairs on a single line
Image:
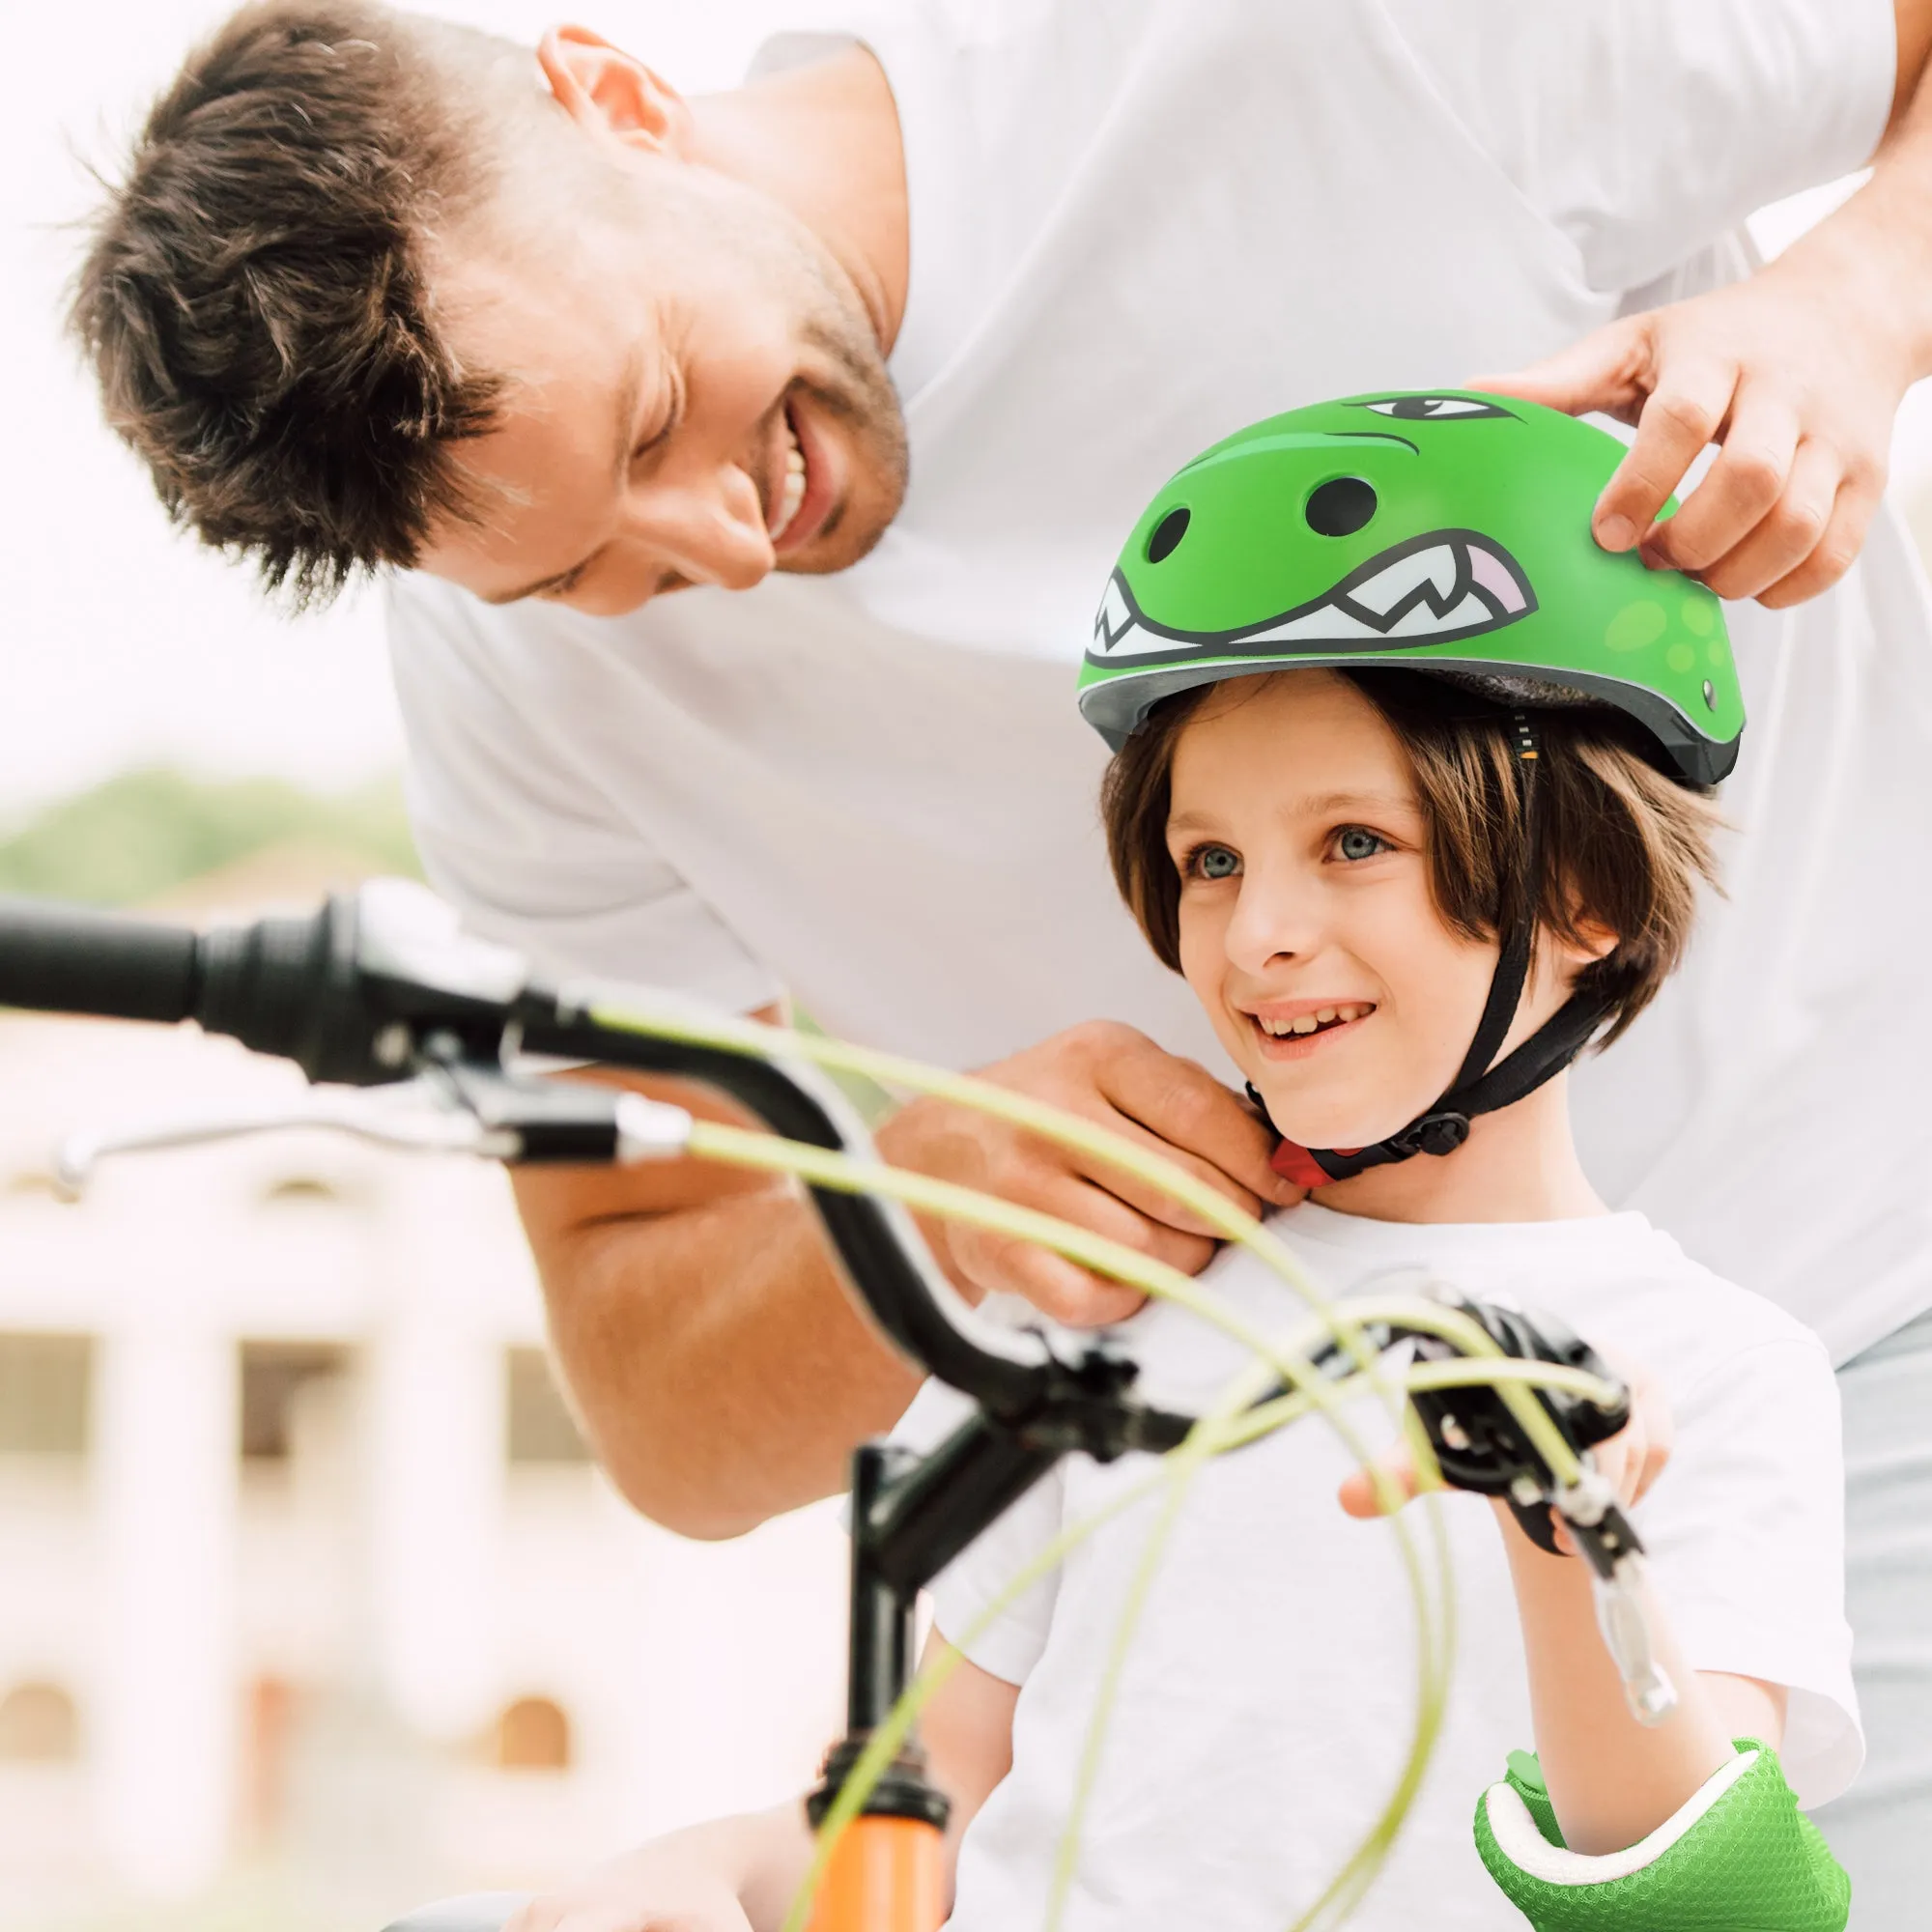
{"points": [[1447, 533]]}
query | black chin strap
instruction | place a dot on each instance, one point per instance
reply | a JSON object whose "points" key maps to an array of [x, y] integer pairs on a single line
{"points": [[1478, 1087]]}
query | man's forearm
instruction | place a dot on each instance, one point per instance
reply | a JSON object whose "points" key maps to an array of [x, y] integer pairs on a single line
{"points": [[719, 1367], [1877, 248]]}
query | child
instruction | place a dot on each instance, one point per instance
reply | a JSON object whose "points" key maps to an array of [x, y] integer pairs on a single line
{"points": [[1405, 905]]}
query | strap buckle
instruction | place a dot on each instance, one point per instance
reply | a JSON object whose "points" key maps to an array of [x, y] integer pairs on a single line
{"points": [[1440, 1132]]}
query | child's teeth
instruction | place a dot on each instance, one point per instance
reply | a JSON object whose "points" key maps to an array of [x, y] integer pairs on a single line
{"points": [[1307, 1023]]}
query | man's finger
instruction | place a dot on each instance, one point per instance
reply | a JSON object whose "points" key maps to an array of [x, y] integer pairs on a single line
{"points": [[1744, 485], [1786, 537], [1060, 1289], [1685, 413], [1100, 1210], [1836, 549], [1153, 1201], [1184, 1107], [1606, 371]]}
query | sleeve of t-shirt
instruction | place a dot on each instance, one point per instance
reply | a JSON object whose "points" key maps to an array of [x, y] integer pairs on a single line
{"points": [[514, 834], [1645, 129], [1745, 1535], [968, 1597]]}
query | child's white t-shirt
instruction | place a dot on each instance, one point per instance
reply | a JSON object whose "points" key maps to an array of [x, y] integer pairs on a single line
{"points": [[1267, 1699]]}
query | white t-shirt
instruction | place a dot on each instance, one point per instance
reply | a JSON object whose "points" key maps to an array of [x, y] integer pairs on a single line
{"points": [[1135, 228], [1268, 1698]]}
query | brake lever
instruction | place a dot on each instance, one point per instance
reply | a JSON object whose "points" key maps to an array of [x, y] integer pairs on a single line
{"points": [[453, 1107]]}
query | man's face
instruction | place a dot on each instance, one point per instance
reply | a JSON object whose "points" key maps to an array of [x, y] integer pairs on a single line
{"points": [[693, 394]]}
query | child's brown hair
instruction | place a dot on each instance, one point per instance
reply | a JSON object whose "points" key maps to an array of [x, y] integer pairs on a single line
{"points": [[1619, 844]]}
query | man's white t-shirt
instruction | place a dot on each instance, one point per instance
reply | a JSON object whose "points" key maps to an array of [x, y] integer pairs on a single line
{"points": [[1268, 1698], [1136, 227]]}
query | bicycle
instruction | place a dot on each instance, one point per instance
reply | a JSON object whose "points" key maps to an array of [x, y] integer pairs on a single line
{"points": [[428, 1031]]}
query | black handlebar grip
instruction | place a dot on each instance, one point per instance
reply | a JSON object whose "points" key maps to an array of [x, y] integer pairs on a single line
{"points": [[66, 960]]}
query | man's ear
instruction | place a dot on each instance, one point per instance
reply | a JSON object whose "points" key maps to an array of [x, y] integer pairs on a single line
{"points": [[604, 89]]}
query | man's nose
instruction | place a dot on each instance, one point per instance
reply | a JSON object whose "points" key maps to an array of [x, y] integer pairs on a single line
{"points": [[706, 527]]}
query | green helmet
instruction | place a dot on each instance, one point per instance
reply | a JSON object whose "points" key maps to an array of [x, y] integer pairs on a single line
{"points": [[1446, 532]]}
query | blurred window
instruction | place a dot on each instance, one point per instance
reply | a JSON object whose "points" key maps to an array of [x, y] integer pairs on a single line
{"points": [[39, 1725], [46, 1382], [273, 1376], [540, 1428], [532, 1734]]}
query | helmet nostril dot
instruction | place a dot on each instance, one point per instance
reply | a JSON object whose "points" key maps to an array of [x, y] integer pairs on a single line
{"points": [[1168, 533], [1340, 507]]}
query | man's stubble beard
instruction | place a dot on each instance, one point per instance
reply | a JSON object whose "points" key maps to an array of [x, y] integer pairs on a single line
{"points": [[862, 398]]}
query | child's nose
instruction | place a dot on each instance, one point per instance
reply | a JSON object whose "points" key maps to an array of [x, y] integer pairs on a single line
{"points": [[1274, 920]]}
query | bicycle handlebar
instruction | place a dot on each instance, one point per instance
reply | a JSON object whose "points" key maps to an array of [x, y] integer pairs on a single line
{"points": [[59, 959], [382, 986]]}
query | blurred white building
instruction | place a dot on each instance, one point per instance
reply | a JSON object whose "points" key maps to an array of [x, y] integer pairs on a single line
{"points": [[302, 1571]]}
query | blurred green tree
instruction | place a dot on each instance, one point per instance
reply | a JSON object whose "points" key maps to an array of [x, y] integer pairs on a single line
{"points": [[146, 832]]}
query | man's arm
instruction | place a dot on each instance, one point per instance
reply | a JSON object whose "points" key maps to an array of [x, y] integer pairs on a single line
{"points": [[719, 1369], [722, 1372], [1797, 372]]}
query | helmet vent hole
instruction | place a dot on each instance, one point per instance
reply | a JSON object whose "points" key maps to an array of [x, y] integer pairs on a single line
{"points": [[1341, 506], [1167, 534]]}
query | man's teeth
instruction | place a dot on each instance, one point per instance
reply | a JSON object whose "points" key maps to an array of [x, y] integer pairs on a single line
{"points": [[793, 494], [1311, 1022]]}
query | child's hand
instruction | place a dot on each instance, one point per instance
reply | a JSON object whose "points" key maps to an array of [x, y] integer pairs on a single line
{"points": [[1631, 1461], [643, 1892]]}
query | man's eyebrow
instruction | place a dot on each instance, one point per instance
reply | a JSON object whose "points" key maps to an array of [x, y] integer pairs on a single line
{"points": [[628, 391]]}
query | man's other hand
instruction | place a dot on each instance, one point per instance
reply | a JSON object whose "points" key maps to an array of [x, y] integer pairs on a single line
{"points": [[1797, 373], [1110, 1074]]}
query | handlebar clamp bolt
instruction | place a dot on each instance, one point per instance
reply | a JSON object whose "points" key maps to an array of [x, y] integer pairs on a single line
{"points": [[391, 1046]]}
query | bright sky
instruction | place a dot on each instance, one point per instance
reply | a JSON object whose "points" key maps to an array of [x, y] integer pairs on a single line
{"points": [[122, 643]]}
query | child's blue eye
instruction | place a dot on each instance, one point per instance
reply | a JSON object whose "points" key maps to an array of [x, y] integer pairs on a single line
{"points": [[1358, 841], [1216, 861]]}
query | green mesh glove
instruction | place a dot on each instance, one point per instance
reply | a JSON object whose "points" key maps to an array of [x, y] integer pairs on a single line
{"points": [[1739, 1856]]}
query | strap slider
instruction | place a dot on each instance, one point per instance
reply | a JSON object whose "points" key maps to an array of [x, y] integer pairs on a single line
{"points": [[1434, 1133]]}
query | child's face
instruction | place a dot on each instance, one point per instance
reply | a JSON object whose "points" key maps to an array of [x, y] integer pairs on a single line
{"points": [[1305, 903]]}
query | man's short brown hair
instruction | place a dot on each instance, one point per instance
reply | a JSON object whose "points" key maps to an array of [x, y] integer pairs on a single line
{"points": [[1619, 844], [254, 299]]}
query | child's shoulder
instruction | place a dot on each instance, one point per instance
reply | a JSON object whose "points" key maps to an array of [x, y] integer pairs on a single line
{"points": [[1616, 1279]]}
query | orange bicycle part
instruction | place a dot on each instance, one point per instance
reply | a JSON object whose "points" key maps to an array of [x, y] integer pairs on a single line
{"points": [[886, 1875]]}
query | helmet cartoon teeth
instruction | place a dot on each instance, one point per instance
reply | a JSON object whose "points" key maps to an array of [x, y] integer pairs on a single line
{"points": [[1446, 533]]}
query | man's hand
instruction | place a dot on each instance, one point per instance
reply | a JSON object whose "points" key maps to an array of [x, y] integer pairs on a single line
{"points": [[1110, 1074], [1795, 377], [1797, 372]]}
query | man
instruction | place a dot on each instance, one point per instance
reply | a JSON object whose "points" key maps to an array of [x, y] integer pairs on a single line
{"points": [[894, 340]]}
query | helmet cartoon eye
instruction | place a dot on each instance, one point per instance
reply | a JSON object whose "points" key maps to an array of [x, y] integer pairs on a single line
{"points": [[1168, 533], [1340, 507], [1417, 409]]}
